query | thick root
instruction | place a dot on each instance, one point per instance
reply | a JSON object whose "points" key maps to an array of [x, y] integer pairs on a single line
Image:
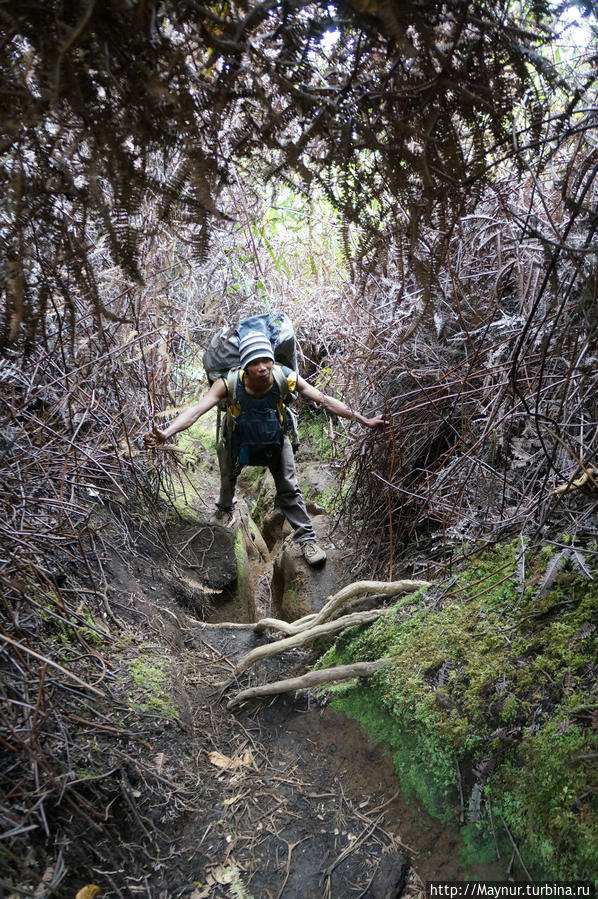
{"points": [[330, 627], [311, 679], [588, 476], [359, 588], [276, 624]]}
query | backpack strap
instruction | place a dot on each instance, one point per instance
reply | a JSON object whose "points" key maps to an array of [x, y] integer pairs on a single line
{"points": [[232, 385], [282, 382], [226, 406], [286, 386]]}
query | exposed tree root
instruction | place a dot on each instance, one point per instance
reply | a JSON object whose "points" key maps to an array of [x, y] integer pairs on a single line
{"points": [[330, 627], [306, 629], [311, 679], [588, 476], [359, 588]]}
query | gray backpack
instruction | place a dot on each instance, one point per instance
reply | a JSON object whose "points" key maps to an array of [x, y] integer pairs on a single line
{"points": [[222, 353], [221, 360]]}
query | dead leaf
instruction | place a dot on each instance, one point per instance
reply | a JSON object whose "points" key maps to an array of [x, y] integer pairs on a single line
{"points": [[223, 875], [159, 762], [218, 875], [233, 799], [221, 761], [88, 892], [231, 764]]}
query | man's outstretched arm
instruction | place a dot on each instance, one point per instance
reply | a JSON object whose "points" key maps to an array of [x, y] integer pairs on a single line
{"points": [[336, 406], [189, 416]]}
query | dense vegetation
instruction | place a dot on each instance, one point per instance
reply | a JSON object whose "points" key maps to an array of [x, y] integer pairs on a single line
{"points": [[416, 185], [492, 696]]}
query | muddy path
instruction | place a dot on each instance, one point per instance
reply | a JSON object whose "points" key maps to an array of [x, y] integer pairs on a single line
{"points": [[309, 806], [281, 798], [290, 803]]}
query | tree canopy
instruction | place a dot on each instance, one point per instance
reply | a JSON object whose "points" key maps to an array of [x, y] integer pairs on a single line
{"points": [[394, 110]]}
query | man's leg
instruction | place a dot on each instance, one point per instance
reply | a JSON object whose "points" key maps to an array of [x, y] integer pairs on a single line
{"points": [[228, 483], [290, 499]]}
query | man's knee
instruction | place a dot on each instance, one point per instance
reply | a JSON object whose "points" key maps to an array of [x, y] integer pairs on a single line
{"points": [[289, 494]]}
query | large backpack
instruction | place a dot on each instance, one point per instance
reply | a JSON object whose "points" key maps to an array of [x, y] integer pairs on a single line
{"points": [[222, 353], [221, 360]]}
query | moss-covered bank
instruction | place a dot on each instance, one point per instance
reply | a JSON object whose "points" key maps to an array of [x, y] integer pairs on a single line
{"points": [[490, 710]]}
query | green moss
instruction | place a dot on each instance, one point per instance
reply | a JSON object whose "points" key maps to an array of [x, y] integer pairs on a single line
{"points": [[260, 506], [330, 500], [254, 531], [241, 558], [124, 640], [151, 672], [90, 634], [509, 709], [203, 432], [542, 792], [252, 475], [424, 764], [314, 430], [486, 666], [479, 846], [179, 507], [52, 612]]}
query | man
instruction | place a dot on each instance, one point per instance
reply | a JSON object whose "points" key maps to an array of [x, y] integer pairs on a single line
{"points": [[258, 389]]}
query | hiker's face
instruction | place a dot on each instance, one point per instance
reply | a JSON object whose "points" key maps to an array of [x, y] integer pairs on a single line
{"points": [[260, 369]]}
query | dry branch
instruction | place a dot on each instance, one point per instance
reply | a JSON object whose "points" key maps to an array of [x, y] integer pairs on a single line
{"points": [[359, 588], [309, 680], [68, 409], [491, 395], [473, 326], [46, 661]]}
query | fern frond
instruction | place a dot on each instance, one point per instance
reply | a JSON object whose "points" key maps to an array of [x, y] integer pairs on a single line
{"points": [[580, 565], [553, 569]]}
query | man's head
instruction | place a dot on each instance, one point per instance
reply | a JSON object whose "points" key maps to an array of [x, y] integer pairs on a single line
{"points": [[255, 346]]}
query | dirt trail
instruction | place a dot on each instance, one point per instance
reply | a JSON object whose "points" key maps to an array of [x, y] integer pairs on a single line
{"points": [[313, 808], [284, 798]]}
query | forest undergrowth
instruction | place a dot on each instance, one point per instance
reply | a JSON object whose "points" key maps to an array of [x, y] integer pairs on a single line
{"points": [[489, 711], [452, 288]]}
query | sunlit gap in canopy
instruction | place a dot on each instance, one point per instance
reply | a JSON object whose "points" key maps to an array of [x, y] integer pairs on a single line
{"points": [[331, 36], [576, 27]]}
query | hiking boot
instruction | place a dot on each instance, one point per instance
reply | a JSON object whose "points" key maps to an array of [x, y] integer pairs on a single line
{"points": [[224, 519], [312, 553]]}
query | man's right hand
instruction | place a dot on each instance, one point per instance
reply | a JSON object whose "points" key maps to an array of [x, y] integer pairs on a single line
{"points": [[154, 438]]}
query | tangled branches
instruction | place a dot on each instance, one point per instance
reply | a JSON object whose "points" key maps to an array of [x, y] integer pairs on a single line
{"points": [[393, 112], [69, 416], [492, 399], [389, 110]]}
